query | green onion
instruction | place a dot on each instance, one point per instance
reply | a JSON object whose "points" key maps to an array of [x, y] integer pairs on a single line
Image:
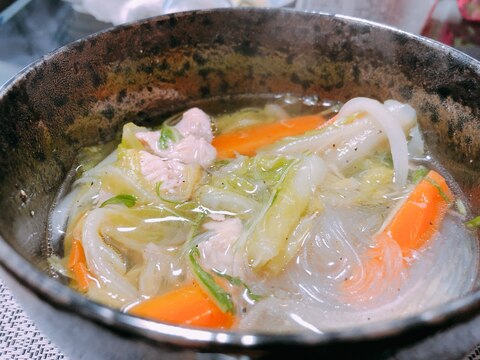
{"points": [[163, 198], [167, 134], [222, 298], [236, 281], [157, 188], [125, 199], [474, 223]]}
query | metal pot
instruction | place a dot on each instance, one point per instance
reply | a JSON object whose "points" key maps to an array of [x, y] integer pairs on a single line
{"points": [[83, 93]]}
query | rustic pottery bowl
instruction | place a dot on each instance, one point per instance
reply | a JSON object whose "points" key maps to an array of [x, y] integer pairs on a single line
{"points": [[84, 92]]}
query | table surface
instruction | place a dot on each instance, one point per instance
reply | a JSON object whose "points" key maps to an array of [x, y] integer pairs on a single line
{"points": [[42, 26]]}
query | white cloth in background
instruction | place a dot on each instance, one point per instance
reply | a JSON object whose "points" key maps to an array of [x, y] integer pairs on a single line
{"points": [[121, 11]]}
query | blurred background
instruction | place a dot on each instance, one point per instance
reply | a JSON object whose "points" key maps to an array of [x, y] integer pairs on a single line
{"points": [[30, 29]]}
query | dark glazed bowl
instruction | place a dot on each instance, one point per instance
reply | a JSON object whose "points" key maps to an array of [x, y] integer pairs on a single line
{"points": [[83, 93]]}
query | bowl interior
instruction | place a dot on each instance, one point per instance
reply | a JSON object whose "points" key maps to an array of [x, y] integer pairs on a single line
{"points": [[82, 94]]}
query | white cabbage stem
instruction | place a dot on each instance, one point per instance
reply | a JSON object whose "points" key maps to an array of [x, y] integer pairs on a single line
{"points": [[268, 246]]}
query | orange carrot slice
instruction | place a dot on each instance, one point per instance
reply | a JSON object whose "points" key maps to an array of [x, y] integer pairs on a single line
{"points": [[81, 275], [420, 216], [414, 224], [77, 264], [188, 305], [246, 141], [76, 254]]}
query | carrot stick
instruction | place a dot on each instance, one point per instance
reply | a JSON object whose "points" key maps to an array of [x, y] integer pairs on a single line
{"points": [[420, 216], [246, 141], [81, 275], [76, 254], [188, 305], [77, 264], [413, 225]]}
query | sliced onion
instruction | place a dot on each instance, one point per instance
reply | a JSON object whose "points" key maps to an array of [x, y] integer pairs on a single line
{"points": [[102, 261], [393, 130]]}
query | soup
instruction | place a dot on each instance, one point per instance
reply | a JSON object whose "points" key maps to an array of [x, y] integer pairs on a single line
{"points": [[289, 214]]}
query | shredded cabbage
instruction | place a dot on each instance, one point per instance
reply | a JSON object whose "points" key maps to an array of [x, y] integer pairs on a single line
{"points": [[268, 246]]}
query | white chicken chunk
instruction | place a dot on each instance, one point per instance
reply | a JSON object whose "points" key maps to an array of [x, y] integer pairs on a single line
{"points": [[192, 150], [217, 252], [149, 140], [155, 170], [196, 123], [195, 145]]}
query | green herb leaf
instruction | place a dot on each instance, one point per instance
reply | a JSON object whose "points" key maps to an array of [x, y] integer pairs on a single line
{"points": [[168, 134], [222, 298], [474, 223], [236, 281], [125, 199]]}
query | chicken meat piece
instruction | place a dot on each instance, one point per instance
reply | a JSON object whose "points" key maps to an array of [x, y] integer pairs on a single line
{"points": [[195, 145]]}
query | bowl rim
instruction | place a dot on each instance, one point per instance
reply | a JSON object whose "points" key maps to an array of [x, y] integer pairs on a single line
{"points": [[61, 295]]}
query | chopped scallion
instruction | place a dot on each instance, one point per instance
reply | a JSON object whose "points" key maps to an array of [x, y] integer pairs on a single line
{"points": [[236, 281], [125, 199], [474, 223], [158, 190], [221, 297], [439, 188], [168, 134]]}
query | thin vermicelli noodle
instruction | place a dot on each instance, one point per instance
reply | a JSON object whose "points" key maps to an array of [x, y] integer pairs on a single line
{"points": [[267, 218]]}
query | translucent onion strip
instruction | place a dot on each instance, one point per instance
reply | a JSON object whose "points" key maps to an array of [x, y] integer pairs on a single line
{"points": [[391, 126], [106, 265]]}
